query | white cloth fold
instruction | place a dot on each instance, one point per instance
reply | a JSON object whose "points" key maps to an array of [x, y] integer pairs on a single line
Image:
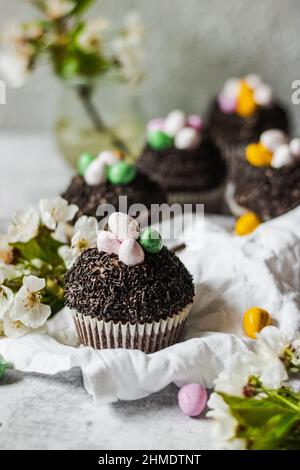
{"points": [[231, 275]]}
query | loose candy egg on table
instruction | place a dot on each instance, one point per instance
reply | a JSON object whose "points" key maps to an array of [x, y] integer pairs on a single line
{"points": [[192, 399], [151, 240], [272, 139], [282, 157], [246, 224], [187, 138], [159, 140], [95, 173], [123, 226], [121, 173], [258, 155], [131, 253], [84, 162], [295, 147], [255, 319], [174, 122]]}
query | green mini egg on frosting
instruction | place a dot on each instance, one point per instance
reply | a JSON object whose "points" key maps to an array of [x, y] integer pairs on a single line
{"points": [[151, 240], [121, 173], [158, 140], [84, 162]]}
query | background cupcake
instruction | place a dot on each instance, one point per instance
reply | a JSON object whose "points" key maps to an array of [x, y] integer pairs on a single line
{"points": [[104, 179], [181, 158], [130, 291], [244, 108], [268, 178]]}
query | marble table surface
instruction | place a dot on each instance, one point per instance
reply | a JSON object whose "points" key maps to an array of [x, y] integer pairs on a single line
{"points": [[55, 412]]}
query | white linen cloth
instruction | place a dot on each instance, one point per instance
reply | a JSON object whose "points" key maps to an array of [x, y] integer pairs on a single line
{"points": [[231, 275]]}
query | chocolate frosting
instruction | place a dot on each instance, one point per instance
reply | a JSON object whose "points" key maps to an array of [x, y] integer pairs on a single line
{"points": [[267, 191], [234, 129], [101, 286], [141, 190], [184, 170]]}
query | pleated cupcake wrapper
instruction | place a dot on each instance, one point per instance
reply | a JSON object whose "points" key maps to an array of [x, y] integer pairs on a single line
{"points": [[212, 199], [147, 337]]}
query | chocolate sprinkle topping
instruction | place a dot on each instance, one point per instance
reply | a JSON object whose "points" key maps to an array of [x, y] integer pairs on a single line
{"points": [[140, 191], [101, 286]]}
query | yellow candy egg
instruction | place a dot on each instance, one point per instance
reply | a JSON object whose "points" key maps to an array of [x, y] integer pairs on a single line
{"points": [[255, 319], [258, 155], [246, 105], [246, 224]]}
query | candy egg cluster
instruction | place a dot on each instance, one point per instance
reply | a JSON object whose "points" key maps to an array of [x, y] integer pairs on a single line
{"points": [[184, 132], [273, 149], [107, 166], [125, 239], [244, 95]]}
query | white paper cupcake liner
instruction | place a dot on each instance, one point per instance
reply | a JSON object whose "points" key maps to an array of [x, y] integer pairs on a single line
{"points": [[212, 199], [147, 337]]}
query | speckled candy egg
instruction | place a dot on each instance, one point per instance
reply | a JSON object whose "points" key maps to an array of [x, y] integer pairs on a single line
{"points": [[192, 399]]}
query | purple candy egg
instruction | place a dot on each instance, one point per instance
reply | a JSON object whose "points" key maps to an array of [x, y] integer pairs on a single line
{"points": [[227, 104], [192, 399], [195, 121]]}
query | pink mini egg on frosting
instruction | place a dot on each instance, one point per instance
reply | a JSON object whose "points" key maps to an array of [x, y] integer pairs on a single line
{"points": [[108, 242], [253, 80], [263, 95], [195, 121], [123, 226], [227, 104], [156, 124], [187, 138], [192, 399], [131, 253], [174, 122]]}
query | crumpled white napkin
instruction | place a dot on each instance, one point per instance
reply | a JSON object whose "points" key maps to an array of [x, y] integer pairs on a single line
{"points": [[231, 274]]}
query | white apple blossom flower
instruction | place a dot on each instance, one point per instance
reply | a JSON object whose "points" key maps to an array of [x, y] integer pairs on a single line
{"points": [[236, 375], [134, 28], [14, 328], [6, 251], [28, 307], [6, 300], [63, 232], [58, 8], [8, 271], [56, 211], [225, 424], [295, 347], [90, 38], [24, 226], [85, 237], [15, 67]]}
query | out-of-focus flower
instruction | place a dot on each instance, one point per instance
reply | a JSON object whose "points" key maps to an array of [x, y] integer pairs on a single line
{"points": [[6, 251], [13, 329], [56, 9], [85, 237], [15, 66], [24, 226], [8, 271], [6, 300], [56, 211], [28, 307], [134, 28], [90, 38]]}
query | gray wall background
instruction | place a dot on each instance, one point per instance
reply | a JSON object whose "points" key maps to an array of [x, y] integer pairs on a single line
{"points": [[192, 47]]}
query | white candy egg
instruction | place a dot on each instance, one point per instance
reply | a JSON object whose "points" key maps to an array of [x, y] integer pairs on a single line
{"points": [[231, 87], [253, 80], [123, 226], [187, 138], [295, 147], [263, 95], [131, 253], [273, 138], [108, 158], [282, 157], [174, 122], [95, 173]]}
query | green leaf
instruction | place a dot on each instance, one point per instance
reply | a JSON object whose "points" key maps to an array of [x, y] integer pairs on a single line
{"points": [[3, 367], [81, 6], [43, 247], [30, 250], [271, 436]]}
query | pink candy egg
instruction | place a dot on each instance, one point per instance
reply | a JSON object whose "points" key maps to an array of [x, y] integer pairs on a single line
{"points": [[227, 103], [192, 399], [131, 253], [108, 242], [156, 124], [123, 226], [195, 121]]}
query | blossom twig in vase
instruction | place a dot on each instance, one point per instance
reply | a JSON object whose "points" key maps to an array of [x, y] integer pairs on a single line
{"points": [[79, 51]]}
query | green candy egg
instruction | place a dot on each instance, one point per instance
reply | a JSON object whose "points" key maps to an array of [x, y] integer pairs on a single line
{"points": [[151, 241], [84, 162], [121, 173], [158, 140]]}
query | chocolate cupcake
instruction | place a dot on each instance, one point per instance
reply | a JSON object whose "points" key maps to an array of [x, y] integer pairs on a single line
{"points": [[130, 291], [104, 179], [182, 159], [267, 181], [242, 111]]}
